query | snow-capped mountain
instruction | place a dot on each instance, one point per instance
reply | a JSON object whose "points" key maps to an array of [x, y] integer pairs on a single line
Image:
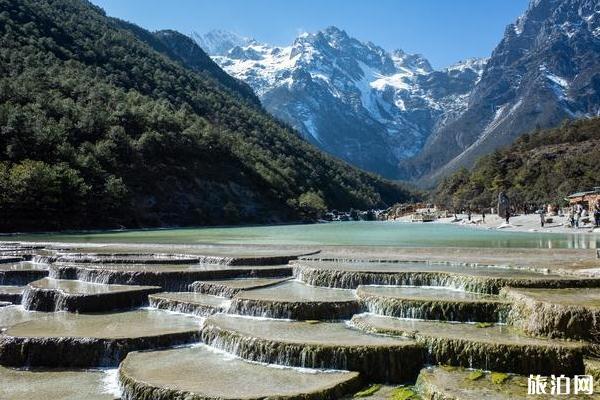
{"points": [[393, 114], [545, 69], [219, 42], [350, 98]]}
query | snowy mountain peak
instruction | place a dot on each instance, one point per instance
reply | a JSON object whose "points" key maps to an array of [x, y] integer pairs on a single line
{"points": [[412, 62], [218, 42], [475, 64], [469, 65], [335, 34], [353, 99], [544, 70]]}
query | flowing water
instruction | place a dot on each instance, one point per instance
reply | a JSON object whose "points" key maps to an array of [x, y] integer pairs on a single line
{"points": [[137, 323], [280, 321], [338, 233], [315, 345], [54, 384], [204, 373], [295, 291], [83, 288], [433, 303], [189, 303], [296, 300]]}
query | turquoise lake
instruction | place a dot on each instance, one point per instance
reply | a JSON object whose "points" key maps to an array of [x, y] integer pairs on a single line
{"points": [[337, 233]]}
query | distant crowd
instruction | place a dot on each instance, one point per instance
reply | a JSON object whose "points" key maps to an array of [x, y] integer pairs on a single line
{"points": [[578, 212], [577, 215]]}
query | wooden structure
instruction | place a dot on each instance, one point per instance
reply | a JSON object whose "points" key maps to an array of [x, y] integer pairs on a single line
{"points": [[589, 199]]}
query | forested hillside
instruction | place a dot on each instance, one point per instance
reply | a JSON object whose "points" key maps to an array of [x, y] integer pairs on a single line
{"points": [[99, 129], [539, 168]]}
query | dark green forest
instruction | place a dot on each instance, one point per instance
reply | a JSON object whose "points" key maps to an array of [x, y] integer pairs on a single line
{"points": [[104, 124], [539, 168]]}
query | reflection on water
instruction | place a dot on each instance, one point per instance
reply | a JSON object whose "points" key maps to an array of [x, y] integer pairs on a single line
{"points": [[339, 233]]}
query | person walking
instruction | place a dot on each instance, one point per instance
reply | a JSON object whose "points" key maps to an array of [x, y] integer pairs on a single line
{"points": [[483, 216], [542, 218], [597, 215], [469, 214], [507, 216]]}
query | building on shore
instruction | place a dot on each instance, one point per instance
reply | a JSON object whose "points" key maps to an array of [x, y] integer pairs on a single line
{"points": [[588, 199]]}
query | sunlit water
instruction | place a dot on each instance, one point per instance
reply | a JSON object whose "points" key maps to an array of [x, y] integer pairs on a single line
{"points": [[339, 233]]}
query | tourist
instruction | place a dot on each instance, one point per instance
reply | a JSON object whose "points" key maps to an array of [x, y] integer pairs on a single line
{"points": [[542, 218], [507, 215], [572, 217], [597, 215], [483, 216], [469, 214]]}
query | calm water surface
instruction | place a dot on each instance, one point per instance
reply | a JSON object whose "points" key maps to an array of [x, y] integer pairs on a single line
{"points": [[337, 233]]}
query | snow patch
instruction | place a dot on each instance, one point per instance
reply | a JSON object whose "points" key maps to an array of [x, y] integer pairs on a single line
{"points": [[395, 81], [309, 125], [559, 86]]}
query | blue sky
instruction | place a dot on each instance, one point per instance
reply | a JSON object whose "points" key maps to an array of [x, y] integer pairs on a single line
{"points": [[444, 31]]}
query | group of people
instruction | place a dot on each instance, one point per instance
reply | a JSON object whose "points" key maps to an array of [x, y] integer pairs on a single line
{"points": [[470, 216], [577, 215], [578, 212]]}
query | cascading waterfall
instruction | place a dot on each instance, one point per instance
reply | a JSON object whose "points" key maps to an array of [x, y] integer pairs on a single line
{"points": [[127, 258], [208, 287], [42, 300], [169, 280], [379, 363], [353, 279], [202, 310], [294, 310], [490, 350], [480, 311], [44, 259], [55, 299], [21, 277], [74, 352]]}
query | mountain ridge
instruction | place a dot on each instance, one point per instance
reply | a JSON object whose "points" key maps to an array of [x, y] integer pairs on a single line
{"points": [[545, 69], [106, 126], [391, 113], [542, 167], [353, 99]]}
